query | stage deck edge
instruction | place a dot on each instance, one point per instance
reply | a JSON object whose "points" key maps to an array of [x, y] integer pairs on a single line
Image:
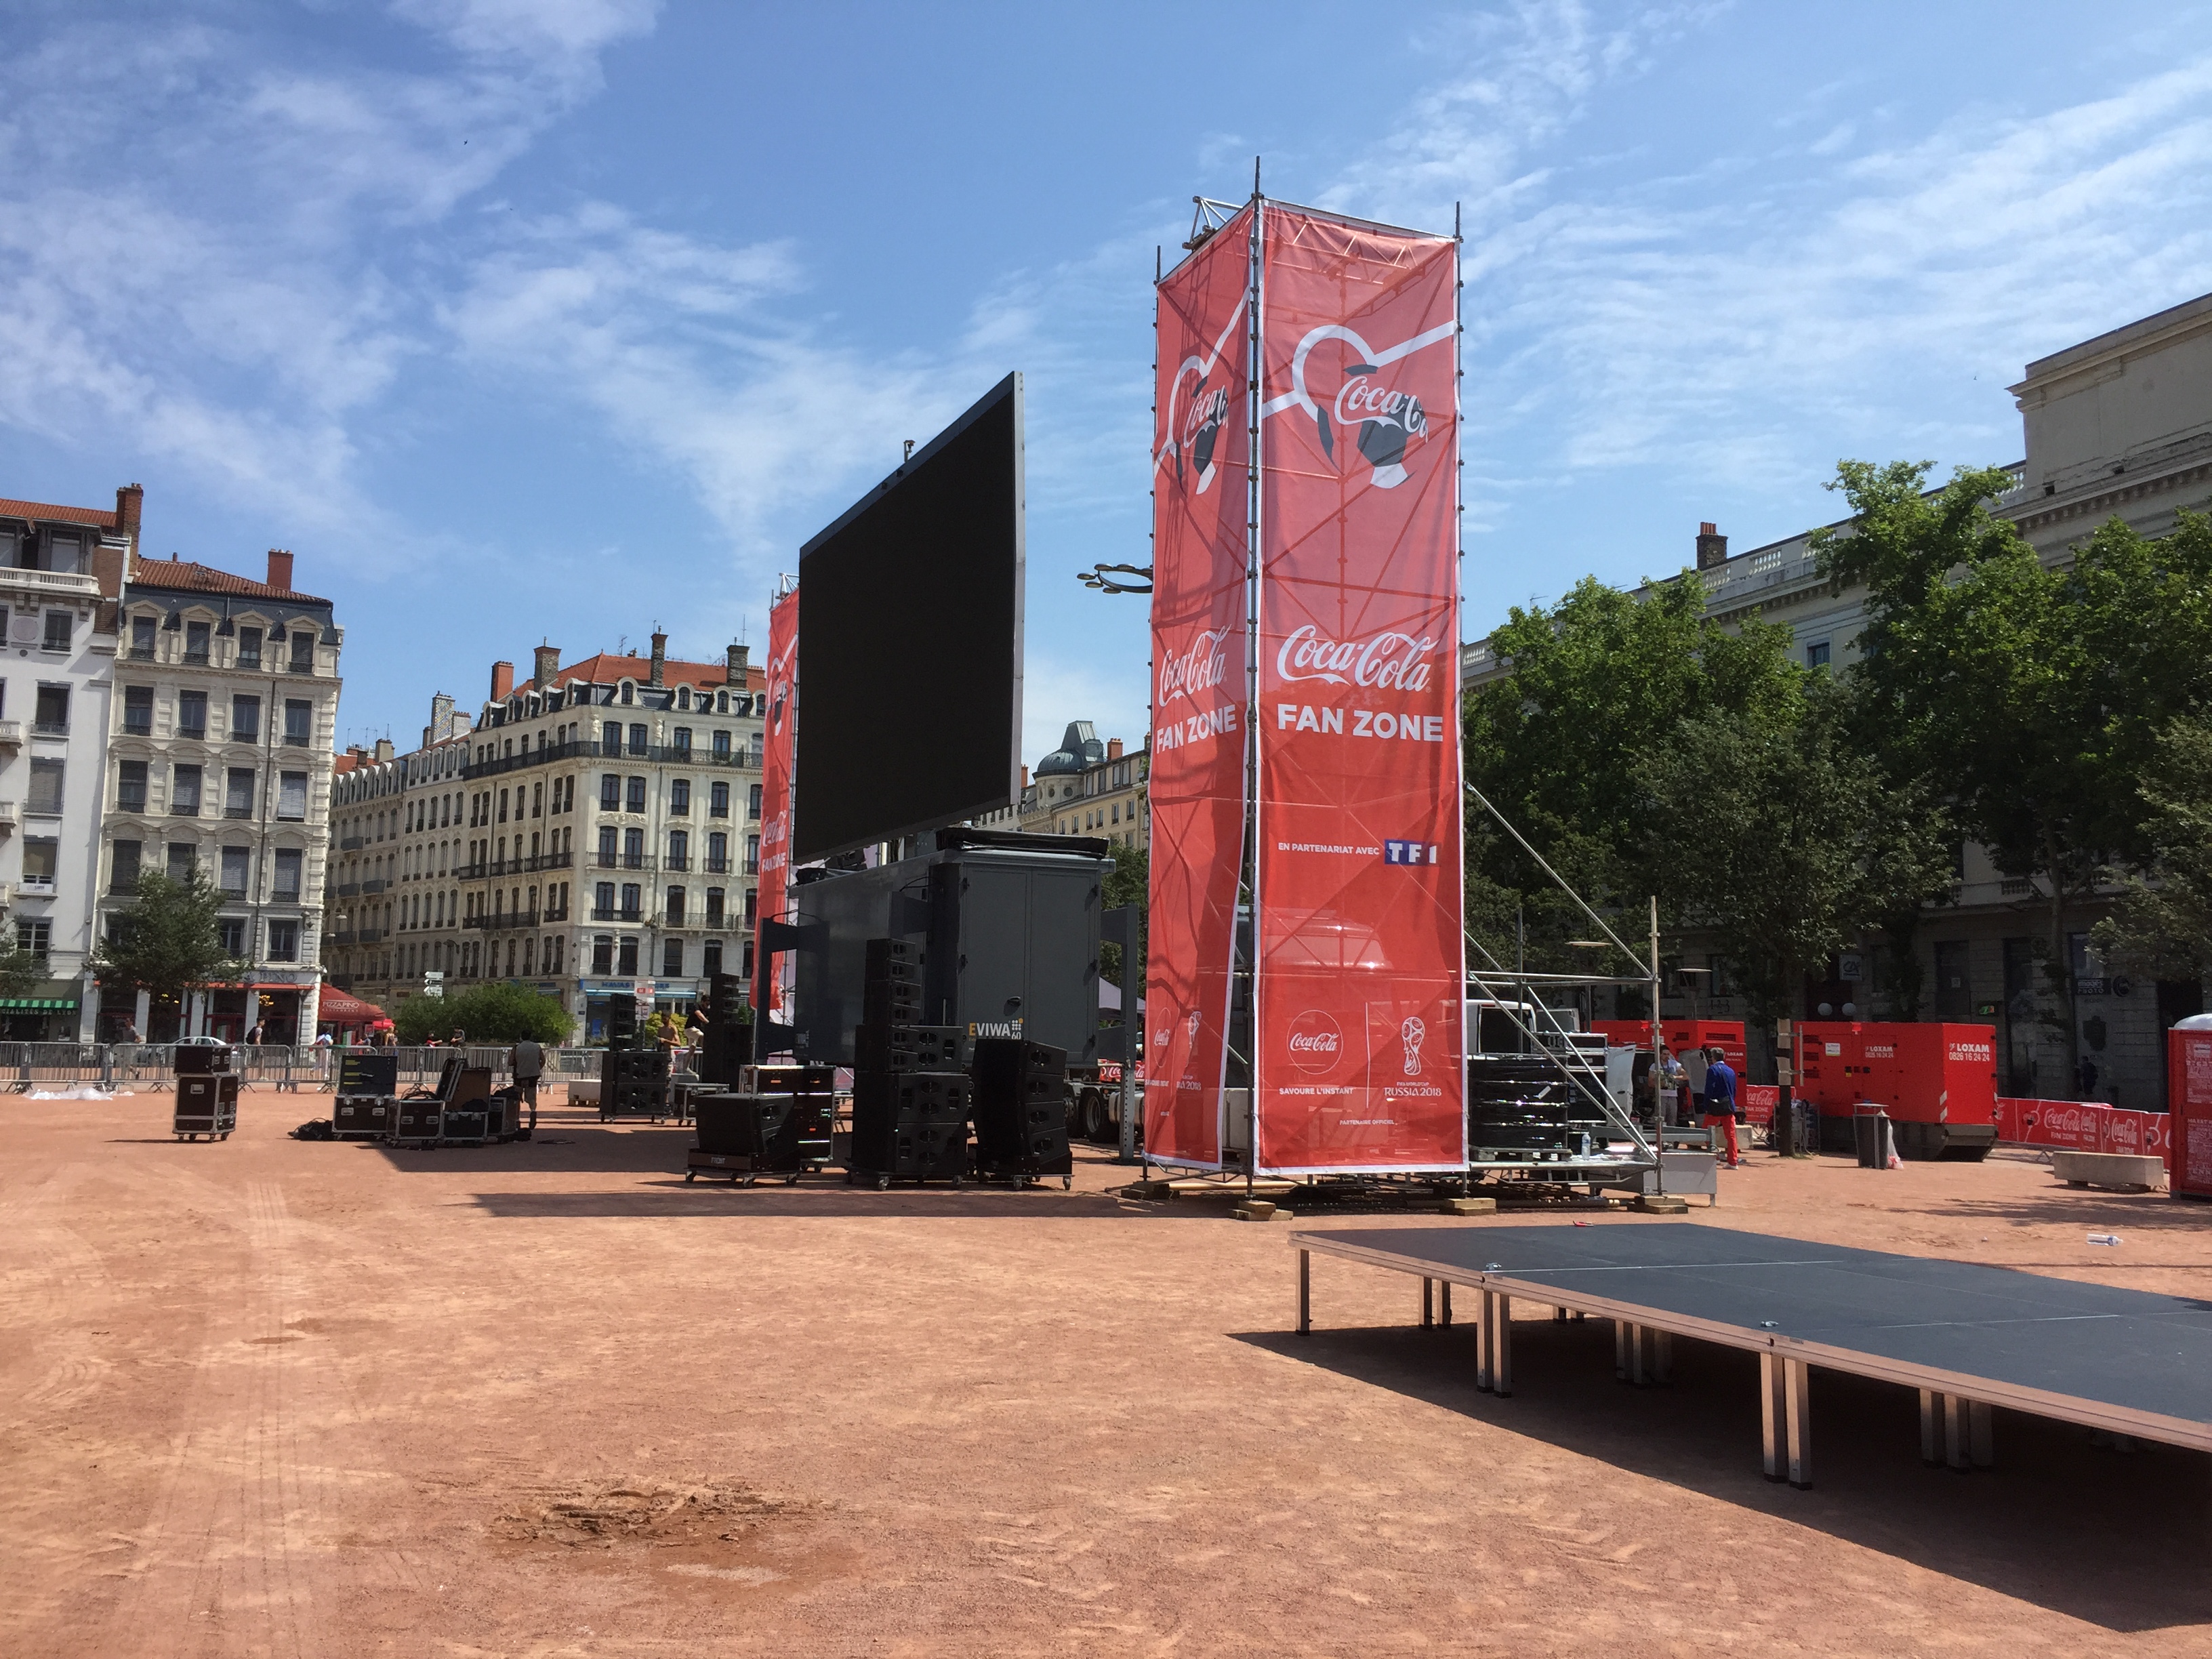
{"points": [[2069, 1408]]}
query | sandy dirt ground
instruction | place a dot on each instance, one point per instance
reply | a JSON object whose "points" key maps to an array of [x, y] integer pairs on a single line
{"points": [[272, 1397]]}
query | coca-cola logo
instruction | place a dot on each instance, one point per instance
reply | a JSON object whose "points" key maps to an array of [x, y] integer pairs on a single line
{"points": [[1316, 1043], [1204, 665], [1390, 661], [1201, 434], [1387, 417]]}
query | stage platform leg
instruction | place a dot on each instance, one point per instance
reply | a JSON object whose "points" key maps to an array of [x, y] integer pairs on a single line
{"points": [[1305, 1291], [1428, 1304], [1796, 1384], [1444, 1303], [1497, 1315], [1771, 1414]]}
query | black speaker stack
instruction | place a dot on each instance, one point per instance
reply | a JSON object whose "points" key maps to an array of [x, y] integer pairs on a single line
{"points": [[634, 1083], [727, 1045], [1021, 1111], [207, 1092], [745, 1136], [910, 1098]]}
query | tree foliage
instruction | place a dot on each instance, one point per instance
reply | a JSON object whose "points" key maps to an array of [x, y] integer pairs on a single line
{"points": [[2032, 696], [165, 941], [1599, 684], [1779, 836], [495, 1012], [2162, 925], [1129, 882]]}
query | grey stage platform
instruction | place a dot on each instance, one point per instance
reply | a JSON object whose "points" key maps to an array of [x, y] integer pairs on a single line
{"points": [[1967, 1337]]}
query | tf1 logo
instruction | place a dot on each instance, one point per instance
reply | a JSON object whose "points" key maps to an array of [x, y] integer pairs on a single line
{"points": [[1411, 852]]}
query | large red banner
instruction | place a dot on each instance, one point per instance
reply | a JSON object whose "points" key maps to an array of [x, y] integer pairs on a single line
{"points": [[1201, 689], [776, 752], [1360, 972]]}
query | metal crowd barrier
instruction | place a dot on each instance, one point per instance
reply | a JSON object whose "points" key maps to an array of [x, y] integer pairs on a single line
{"points": [[27, 1067]]}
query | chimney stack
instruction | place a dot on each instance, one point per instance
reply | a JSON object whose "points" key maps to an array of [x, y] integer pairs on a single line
{"points": [[441, 718], [734, 673], [280, 569], [129, 501], [1113, 749], [384, 749], [660, 657], [502, 681], [1712, 547], [547, 664]]}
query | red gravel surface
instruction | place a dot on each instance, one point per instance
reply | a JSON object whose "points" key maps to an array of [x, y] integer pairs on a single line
{"points": [[272, 1397]]}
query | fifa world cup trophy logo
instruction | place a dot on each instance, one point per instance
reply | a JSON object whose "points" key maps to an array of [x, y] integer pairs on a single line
{"points": [[1411, 1034]]}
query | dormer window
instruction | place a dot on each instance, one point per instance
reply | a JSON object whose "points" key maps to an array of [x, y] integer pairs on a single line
{"points": [[64, 551], [10, 547], [629, 690], [721, 703], [682, 696], [249, 648]]}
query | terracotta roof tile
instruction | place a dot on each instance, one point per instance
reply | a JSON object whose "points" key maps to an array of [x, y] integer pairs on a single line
{"points": [[183, 575], [102, 519], [608, 669]]}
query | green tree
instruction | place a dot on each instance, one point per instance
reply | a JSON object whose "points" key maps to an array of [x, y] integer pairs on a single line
{"points": [[495, 1012], [1129, 882], [1599, 685], [2033, 695], [1779, 836], [166, 942], [2162, 924], [20, 971]]}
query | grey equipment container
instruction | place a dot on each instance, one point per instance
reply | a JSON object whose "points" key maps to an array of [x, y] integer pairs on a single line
{"points": [[1009, 928]]}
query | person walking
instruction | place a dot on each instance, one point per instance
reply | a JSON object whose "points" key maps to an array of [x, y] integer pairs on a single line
{"points": [[527, 1064], [1719, 1110]]}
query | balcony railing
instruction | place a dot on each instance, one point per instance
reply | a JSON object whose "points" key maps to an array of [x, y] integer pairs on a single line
{"points": [[347, 889], [133, 728], [352, 842], [677, 861], [631, 916], [485, 868], [238, 811], [552, 751], [498, 920], [195, 659], [141, 653], [624, 862], [377, 885]]}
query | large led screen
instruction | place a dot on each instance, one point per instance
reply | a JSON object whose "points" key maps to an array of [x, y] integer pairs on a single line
{"points": [[910, 642]]}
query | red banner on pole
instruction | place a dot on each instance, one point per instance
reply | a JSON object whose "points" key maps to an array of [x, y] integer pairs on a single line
{"points": [[1201, 495], [1360, 970], [776, 752]]}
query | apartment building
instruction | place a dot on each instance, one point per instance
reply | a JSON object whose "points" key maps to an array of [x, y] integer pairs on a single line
{"points": [[61, 570], [218, 738], [2120, 425], [1087, 787], [591, 831]]}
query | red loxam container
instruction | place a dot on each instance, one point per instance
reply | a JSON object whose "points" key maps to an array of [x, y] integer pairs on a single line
{"points": [[1679, 1035], [1938, 1083], [2189, 1101]]}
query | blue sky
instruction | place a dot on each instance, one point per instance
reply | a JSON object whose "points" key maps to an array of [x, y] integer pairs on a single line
{"points": [[555, 319]]}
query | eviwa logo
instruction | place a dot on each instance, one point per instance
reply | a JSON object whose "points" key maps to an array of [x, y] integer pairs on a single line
{"points": [[1388, 417], [1204, 666], [1390, 661]]}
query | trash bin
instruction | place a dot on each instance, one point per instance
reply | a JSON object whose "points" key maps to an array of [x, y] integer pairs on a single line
{"points": [[1875, 1147]]}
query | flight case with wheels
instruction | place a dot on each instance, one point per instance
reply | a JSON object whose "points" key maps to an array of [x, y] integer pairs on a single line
{"points": [[207, 1104], [745, 1137]]}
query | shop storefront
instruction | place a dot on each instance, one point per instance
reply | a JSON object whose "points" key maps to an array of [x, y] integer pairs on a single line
{"points": [[48, 1014]]}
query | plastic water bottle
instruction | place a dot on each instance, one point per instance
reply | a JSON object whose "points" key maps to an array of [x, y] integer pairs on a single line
{"points": [[2104, 1238]]}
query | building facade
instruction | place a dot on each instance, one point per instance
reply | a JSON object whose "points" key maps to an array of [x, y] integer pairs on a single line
{"points": [[61, 571], [218, 759], [591, 831], [2118, 426], [1086, 788]]}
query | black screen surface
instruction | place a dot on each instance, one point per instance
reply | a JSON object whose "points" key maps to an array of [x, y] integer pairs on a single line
{"points": [[910, 642]]}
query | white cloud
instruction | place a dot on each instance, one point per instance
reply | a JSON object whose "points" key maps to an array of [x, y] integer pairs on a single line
{"points": [[209, 255]]}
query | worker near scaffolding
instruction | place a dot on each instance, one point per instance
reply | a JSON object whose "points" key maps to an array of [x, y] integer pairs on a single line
{"points": [[1720, 1100]]}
